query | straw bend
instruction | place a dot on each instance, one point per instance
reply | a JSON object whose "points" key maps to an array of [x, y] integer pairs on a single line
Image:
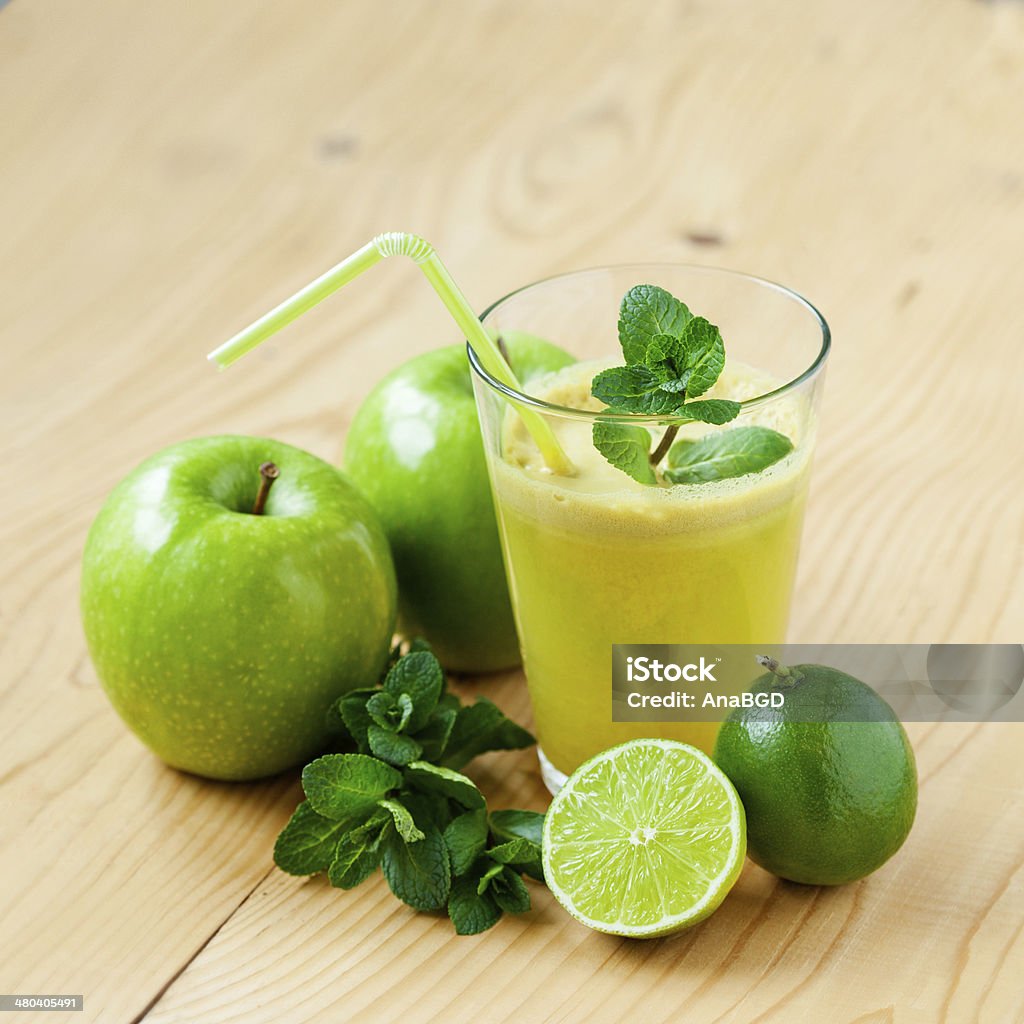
{"points": [[423, 254], [400, 243]]}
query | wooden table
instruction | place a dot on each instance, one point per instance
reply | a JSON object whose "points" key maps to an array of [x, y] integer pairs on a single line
{"points": [[170, 170]]}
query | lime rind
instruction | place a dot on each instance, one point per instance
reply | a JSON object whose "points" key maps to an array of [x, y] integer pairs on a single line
{"points": [[644, 839]]}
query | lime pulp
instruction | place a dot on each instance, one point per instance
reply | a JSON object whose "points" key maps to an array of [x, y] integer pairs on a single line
{"points": [[644, 839]]}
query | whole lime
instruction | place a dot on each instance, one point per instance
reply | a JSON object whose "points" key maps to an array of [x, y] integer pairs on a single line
{"points": [[828, 779]]}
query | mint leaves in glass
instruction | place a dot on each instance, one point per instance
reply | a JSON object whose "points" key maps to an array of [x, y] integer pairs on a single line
{"points": [[400, 803], [672, 358]]}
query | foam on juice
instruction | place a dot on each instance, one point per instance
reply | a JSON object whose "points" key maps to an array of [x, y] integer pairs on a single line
{"points": [[601, 498]]}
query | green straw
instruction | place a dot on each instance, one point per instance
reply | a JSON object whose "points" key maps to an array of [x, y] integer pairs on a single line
{"points": [[400, 243]]}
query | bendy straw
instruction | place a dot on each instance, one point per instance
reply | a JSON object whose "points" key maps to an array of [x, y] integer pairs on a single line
{"points": [[422, 253]]}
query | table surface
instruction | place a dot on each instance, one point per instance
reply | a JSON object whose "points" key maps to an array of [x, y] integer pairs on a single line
{"points": [[171, 170]]}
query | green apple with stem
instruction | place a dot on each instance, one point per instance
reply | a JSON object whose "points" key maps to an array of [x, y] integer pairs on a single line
{"points": [[232, 588], [414, 449]]}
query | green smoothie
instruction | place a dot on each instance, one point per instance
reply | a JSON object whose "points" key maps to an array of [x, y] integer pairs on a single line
{"points": [[597, 558]]}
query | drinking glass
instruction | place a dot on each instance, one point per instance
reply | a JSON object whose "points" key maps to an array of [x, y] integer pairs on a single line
{"points": [[595, 559]]}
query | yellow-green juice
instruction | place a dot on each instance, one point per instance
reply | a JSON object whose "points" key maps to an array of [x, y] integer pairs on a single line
{"points": [[597, 558]]}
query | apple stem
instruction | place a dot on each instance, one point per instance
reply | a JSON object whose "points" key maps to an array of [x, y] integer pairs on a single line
{"points": [[268, 474]]}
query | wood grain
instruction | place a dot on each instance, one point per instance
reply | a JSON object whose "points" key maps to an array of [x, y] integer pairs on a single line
{"points": [[170, 170]]}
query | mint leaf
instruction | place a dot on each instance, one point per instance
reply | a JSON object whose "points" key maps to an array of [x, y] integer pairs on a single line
{"points": [[510, 893], [392, 747], [481, 727], [466, 838], [387, 712], [645, 312], [336, 726], [427, 809], [351, 709], [516, 824], [342, 786], [419, 874], [626, 448], [705, 355], [490, 872], [726, 453], [374, 829], [358, 854], [673, 370], [307, 843], [504, 734], [471, 912], [669, 359], [520, 853], [404, 825], [420, 676], [504, 884], [515, 851], [711, 410], [405, 706], [353, 865], [637, 389], [432, 778], [433, 737], [509, 825]]}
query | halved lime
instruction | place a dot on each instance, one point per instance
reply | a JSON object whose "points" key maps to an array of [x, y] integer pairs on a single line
{"points": [[644, 839]]}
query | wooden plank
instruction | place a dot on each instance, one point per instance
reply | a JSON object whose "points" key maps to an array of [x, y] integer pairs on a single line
{"points": [[170, 170]]}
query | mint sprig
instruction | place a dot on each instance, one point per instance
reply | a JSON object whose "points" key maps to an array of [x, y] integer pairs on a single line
{"points": [[672, 358], [399, 803]]}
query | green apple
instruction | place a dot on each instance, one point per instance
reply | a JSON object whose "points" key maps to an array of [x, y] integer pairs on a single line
{"points": [[221, 632], [415, 450]]}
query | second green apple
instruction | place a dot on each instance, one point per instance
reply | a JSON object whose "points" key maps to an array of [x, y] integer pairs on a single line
{"points": [[414, 449]]}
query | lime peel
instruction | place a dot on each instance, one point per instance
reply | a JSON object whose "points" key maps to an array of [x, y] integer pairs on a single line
{"points": [[644, 839]]}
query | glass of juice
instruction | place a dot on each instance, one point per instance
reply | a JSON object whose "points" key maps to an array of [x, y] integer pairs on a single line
{"points": [[596, 558]]}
